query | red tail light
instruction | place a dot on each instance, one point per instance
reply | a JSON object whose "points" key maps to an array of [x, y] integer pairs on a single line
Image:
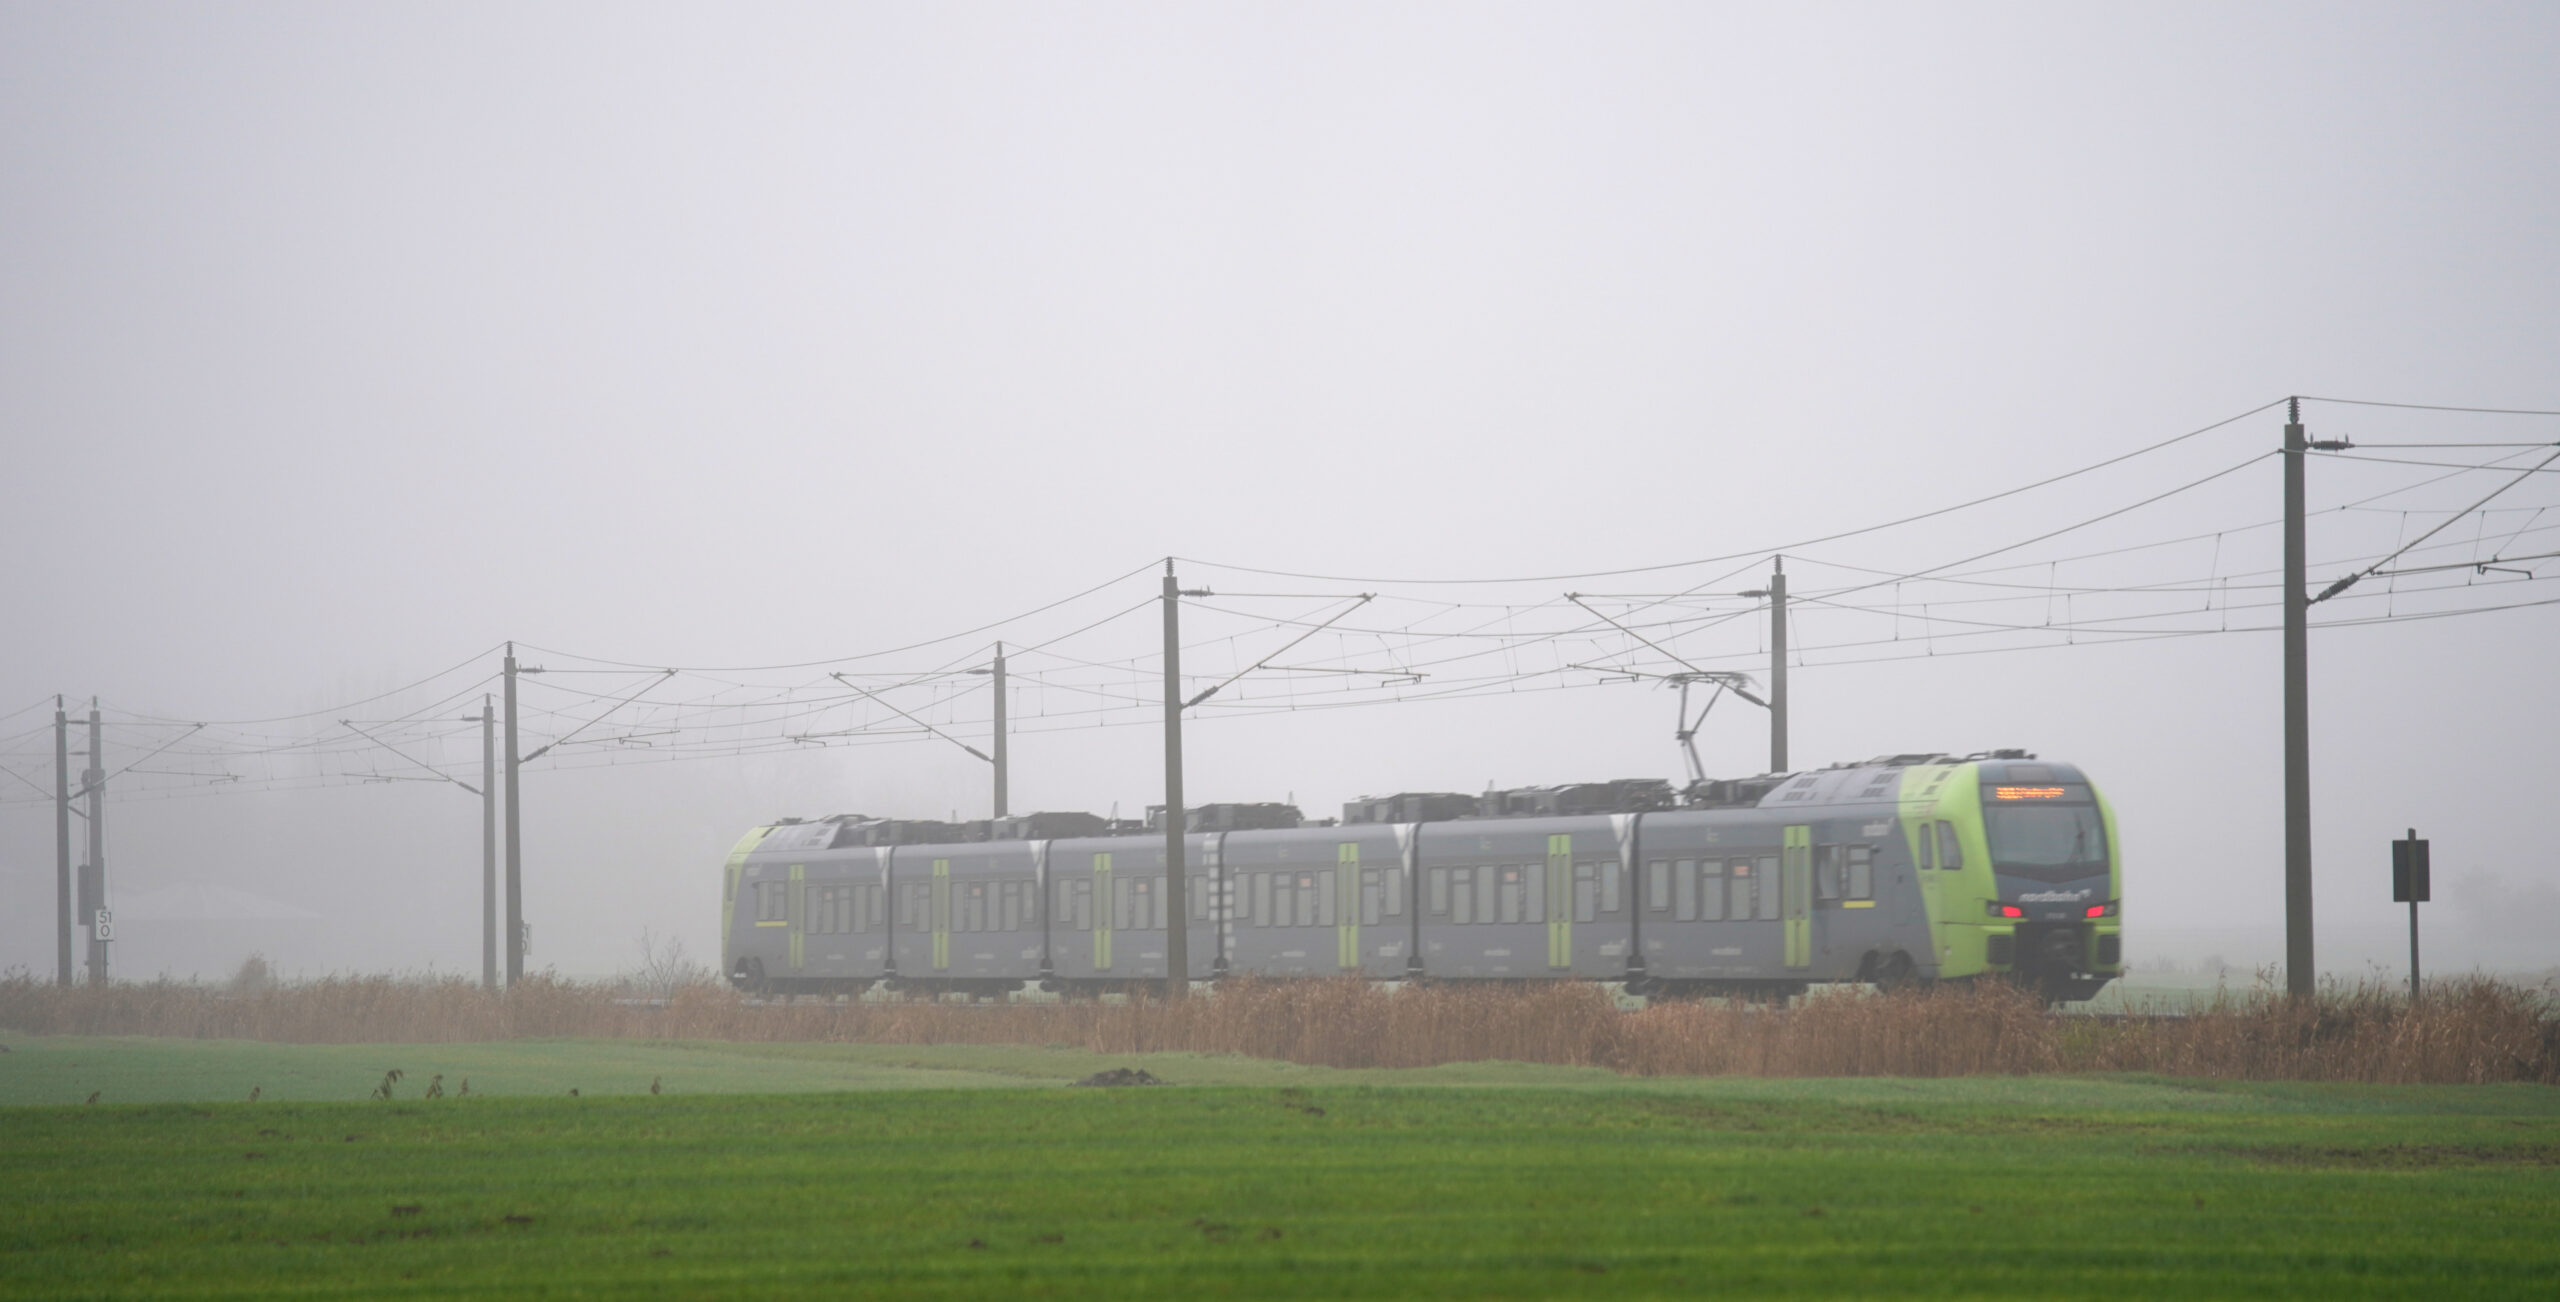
{"points": [[2097, 910], [2012, 911]]}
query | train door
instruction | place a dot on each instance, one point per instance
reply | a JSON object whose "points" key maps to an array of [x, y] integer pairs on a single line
{"points": [[1346, 905], [1560, 901], [940, 915], [1795, 890], [798, 916], [1102, 913]]}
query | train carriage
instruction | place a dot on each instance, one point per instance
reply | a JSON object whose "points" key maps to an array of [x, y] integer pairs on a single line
{"points": [[1904, 869]]}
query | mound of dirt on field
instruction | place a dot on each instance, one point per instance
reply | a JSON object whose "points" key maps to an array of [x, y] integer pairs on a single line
{"points": [[1121, 1076]]}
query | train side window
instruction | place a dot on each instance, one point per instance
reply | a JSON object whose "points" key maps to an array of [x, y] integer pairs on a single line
{"points": [[1321, 886], [1199, 901], [1710, 891], [1684, 890], [1744, 887], [1391, 892], [1031, 904], [1862, 872], [1080, 904], [816, 922], [1610, 903], [1950, 850], [1462, 895], [1768, 874], [1511, 891], [1586, 894], [1438, 886], [1369, 897], [1537, 879], [1657, 886], [1826, 872], [1485, 890]]}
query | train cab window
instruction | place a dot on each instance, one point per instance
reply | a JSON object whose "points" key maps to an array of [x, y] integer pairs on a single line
{"points": [[1768, 875], [1862, 872], [770, 902], [1745, 888], [1657, 886], [1950, 850], [1710, 891], [1462, 895], [1684, 891]]}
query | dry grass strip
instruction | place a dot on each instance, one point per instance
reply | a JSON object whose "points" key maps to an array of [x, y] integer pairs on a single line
{"points": [[2463, 1031]]}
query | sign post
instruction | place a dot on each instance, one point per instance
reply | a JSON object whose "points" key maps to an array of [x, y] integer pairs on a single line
{"points": [[2409, 883]]}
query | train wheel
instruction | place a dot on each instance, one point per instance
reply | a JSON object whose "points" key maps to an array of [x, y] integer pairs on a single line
{"points": [[1896, 971], [756, 984]]}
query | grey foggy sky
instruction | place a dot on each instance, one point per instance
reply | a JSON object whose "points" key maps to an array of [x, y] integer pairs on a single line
{"points": [[340, 342]]}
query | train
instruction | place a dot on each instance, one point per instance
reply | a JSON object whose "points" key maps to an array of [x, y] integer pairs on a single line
{"points": [[1898, 871]]}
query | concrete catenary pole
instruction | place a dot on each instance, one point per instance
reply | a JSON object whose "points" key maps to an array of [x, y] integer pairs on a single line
{"points": [[515, 835], [63, 905], [999, 748], [93, 780], [2299, 973], [488, 844], [1778, 665], [1177, 935]]}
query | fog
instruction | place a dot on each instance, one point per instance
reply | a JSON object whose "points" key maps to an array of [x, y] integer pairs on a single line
{"points": [[341, 344]]}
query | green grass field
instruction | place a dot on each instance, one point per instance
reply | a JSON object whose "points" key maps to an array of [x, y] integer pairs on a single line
{"points": [[1251, 1179]]}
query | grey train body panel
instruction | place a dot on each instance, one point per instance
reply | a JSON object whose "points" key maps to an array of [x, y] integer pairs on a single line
{"points": [[1106, 907], [966, 912], [1817, 881], [1319, 901]]}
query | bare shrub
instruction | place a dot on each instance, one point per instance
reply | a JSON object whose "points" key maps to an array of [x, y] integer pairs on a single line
{"points": [[252, 976], [664, 969]]}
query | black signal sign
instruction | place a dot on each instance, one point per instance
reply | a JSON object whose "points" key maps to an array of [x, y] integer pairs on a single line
{"points": [[2409, 871]]}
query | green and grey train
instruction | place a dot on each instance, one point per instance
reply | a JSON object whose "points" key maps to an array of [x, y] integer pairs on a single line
{"points": [[1905, 869]]}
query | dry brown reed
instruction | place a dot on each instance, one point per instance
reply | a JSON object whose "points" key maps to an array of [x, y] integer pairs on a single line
{"points": [[2463, 1031]]}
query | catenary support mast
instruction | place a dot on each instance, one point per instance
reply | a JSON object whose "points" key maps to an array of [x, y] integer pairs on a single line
{"points": [[999, 748], [63, 903], [1778, 665], [488, 845], [93, 780], [515, 835], [1177, 917], [2299, 972]]}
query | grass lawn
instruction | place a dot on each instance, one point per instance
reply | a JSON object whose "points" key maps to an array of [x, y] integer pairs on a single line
{"points": [[1482, 1181]]}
